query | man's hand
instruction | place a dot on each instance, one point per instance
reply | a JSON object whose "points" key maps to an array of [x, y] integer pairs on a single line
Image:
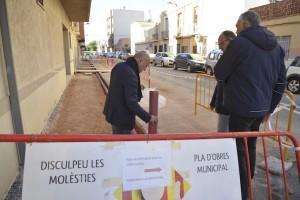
{"points": [[153, 119]]}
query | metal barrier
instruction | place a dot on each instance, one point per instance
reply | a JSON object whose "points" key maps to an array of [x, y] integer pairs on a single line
{"points": [[292, 107], [154, 137], [204, 90]]}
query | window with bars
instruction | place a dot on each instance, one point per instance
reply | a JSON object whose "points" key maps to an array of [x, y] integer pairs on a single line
{"points": [[285, 42]]}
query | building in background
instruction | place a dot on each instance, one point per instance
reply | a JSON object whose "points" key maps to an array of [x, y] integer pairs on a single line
{"points": [[39, 49], [283, 19], [194, 25], [151, 37], [161, 34], [140, 38], [118, 27]]}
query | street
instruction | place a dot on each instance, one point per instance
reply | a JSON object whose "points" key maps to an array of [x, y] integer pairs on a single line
{"points": [[178, 87]]}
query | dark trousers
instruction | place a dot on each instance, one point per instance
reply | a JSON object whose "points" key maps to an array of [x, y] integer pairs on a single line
{"points": [[243, 124], [117, 130]]}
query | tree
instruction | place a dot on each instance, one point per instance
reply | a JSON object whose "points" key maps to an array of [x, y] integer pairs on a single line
{"points": [[92, 46]]}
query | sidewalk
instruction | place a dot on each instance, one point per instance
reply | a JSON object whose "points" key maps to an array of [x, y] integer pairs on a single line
{"points": [[80, 108]]}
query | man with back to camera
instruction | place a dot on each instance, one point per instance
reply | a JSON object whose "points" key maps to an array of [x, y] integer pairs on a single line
{"points": [[217, 98], [124, 93], [254, 75]]}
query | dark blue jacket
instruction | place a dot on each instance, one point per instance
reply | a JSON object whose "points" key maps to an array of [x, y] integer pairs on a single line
{"points": [[124, 93], [253, 71]]}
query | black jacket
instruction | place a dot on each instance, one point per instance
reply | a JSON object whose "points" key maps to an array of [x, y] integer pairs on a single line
{"points": [[124, 93], [217, 99], [253, 71]]}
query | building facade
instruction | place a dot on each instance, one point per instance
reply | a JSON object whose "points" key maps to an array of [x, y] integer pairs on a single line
{"points": [[139, 34], [195, 25], [160, 34], [151, 37], [38, 53], [118, 26], [283, 19]]}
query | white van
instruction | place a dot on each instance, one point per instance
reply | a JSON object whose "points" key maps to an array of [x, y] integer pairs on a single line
{"points": [[212, 60]]}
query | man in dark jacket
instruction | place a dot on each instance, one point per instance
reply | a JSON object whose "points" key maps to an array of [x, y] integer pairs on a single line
{"points": [[217, 98], [124, 93], [254, 75]]}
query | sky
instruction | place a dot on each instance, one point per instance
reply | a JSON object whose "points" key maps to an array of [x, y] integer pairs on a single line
{"points": [[96, 28]]}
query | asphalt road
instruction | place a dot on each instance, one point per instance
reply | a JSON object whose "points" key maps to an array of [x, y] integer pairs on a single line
{"points": [[186, 82]]}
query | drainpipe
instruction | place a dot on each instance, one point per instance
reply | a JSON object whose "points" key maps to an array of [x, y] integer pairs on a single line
{"points": [[11, 79]]}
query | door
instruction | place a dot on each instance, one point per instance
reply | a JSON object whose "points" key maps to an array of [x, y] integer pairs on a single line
{"points": [[285, 42], [66, 50]]}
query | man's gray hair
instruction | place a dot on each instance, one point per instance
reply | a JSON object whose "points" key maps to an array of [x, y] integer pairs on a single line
{"points": [[229, 35], [142, 55], [252, 17]]}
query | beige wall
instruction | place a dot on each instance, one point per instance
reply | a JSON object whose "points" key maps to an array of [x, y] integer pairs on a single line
{"points": [[285, 27], [38, 52], [39, 63], [8, 154]]}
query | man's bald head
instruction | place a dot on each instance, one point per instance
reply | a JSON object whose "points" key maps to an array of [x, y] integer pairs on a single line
{"points": [[143, 60]]}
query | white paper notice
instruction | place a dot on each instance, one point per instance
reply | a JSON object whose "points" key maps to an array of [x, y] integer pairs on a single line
{"points": [[146, 165]]}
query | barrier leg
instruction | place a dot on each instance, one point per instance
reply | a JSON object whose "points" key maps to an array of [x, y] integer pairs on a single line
{"points": [[267, 169], [196, 95], [283, 169], [249, 179], [153, 110]]}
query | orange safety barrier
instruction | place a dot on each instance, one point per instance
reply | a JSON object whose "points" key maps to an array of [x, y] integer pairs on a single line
{"points": [[153, 137]]}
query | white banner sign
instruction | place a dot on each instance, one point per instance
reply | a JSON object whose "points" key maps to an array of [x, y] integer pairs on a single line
{"points": [[157, 170]]}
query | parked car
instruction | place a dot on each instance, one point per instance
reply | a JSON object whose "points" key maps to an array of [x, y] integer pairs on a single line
{"points": [[117, 54], [191, 62], [164, 59], [152, 56], [111, 54], [212, 60], [124, 56], [293, 76]]}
